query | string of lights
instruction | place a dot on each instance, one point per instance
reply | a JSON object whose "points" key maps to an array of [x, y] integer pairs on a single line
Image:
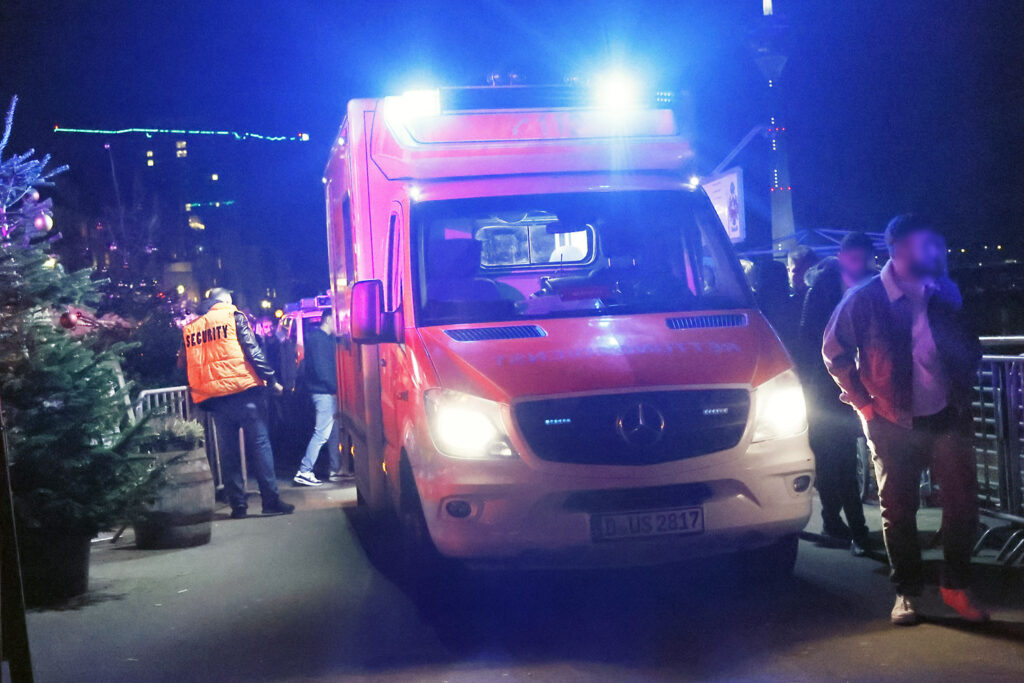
{"points": [[150, 132], [199, 205]]}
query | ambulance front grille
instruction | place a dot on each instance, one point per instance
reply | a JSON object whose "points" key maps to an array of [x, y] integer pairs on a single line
{"points": [[642, 428]]}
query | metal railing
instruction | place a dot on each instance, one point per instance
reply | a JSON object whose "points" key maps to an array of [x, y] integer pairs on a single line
{"points": [[169, 401], [999, 445], [177, 402], [1002, 342]]}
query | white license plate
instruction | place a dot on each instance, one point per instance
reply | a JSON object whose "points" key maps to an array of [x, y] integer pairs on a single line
{"points": [[647, 523]]}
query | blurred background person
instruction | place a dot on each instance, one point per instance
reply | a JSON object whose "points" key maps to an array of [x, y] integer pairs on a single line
{"points": [[800, 260], [833, 426], [773, 296]]}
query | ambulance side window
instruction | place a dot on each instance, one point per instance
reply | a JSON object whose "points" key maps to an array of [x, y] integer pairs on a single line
{"points": [[346, 226], [394, 291], [717, 272]]}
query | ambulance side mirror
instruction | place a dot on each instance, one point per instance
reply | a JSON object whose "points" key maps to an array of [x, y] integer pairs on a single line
{"points": [[369, 322]]}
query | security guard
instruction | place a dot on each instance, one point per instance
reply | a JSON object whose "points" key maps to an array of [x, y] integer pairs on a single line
{"points": [[226, 373]]}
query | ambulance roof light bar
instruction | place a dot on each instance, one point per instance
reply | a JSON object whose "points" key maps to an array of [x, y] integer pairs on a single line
{"points": [[413, 104], [615, 92]]}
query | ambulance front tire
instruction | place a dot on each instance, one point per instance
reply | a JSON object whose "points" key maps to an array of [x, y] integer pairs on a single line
{"points": [[418, 555]]}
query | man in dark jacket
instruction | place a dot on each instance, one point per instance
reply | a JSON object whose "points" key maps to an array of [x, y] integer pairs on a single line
{"points": [[319, 369], [903, 357], [778, 303], [833, 425]]}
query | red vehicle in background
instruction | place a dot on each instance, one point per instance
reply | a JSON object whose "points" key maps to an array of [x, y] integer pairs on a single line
{"points": [[293, 326], [548, 353]]}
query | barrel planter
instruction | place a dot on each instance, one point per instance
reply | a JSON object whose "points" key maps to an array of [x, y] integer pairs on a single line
{"points": [[54, 566], [182, 514]]}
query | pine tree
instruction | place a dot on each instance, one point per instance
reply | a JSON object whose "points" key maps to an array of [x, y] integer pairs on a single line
{"points": [[72, 466]]}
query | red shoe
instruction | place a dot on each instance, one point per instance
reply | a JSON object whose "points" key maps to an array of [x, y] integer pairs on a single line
{"points": [[959, 600]]}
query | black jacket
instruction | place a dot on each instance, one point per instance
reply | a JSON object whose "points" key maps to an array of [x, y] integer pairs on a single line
{"points": [[825, 291], [251, 348], [319, 367]]}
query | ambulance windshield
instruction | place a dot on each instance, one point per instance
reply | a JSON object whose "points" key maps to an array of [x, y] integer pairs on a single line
{"points": [[599, 253]]}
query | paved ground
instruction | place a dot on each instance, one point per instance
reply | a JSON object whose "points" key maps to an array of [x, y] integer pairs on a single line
{"points": [[299, 597]]}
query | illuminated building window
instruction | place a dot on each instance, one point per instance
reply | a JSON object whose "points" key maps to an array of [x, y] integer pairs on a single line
{"points": [[196, 223], [214, 177], [180, 144], [149, 154], [188, 207], [182, 153], [149, 162]]}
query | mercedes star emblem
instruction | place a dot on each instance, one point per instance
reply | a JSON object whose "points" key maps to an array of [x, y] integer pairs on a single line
{"points": [[641, 425]]}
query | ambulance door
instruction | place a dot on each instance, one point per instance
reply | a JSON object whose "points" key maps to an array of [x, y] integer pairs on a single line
{"points": [[394, 376], [350, 374]]}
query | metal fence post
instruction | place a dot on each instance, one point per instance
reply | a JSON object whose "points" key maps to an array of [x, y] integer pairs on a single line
{"points": [[999, 395], [1014, 418]]}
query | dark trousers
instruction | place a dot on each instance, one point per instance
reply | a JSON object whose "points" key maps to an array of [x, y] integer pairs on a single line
{"points": [[943, 442], [247, 410], [833, 436]]}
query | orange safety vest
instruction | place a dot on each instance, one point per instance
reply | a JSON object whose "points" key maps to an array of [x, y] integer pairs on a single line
{"points": [[216, 364]]}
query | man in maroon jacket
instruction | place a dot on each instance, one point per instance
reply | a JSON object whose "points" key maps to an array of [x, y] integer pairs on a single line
{"points": [[902, 356]]}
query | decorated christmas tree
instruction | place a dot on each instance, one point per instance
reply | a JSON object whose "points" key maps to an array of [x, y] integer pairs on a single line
{"points": [[65, 405]]}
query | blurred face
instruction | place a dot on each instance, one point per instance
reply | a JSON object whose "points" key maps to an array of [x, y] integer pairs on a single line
{"points": [[921, 254], [796, 275], [854, 264]]}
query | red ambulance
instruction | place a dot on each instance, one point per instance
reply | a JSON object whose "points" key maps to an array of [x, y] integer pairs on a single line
{"points": [[548, 353]]}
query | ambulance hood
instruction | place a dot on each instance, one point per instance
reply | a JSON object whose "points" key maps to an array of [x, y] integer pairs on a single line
{"points": [[570, 355]]}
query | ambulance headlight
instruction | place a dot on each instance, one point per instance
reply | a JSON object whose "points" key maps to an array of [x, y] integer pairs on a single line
{"points": [[780, 408], [464, 426]]}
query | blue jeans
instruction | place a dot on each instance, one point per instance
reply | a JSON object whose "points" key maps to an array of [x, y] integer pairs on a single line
{"points": [[248, 411], [325, 431]]}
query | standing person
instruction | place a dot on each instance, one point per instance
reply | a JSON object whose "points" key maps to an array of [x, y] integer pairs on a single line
{"points": [[833, 425], [320, 372], [901, 354], [227, 372], [800, 260], [778, 303]]}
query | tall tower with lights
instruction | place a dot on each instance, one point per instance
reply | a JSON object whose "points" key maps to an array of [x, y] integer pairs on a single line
{"points": [[768, 42]]}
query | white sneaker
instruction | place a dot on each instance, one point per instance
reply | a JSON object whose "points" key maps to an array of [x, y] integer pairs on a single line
{"points": [[306, 479], [903, 612]]}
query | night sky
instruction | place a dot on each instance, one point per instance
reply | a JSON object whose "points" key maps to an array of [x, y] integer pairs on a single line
{"points": [[892, 105]]}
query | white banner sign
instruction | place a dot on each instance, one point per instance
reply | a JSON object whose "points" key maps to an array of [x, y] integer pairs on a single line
{"points": [[726, 193]]}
